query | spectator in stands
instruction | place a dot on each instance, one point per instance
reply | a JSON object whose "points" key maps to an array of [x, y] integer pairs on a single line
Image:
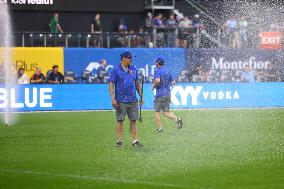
{"points": [[22, 77], [203, 74], [171, 31], [54, 24], [231, 26], [132, 38], [271, 74], [197, 27], [122, 30], [185, 25], [193, 75], [159, 27], [141, 38], [158, 21], [185, 22], [102, 73], [38, 77], [122, 26], [55, 77], [236, 41], [247, 75], [149, 22], [243, 24], [96, 28]]}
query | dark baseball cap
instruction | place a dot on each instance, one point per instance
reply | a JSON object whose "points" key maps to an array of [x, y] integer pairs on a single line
{"points": [[126, 54], [160, 60]]}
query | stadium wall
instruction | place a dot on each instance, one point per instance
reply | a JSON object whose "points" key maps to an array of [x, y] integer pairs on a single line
{"points": [[95, 96], [232, 61], [80, 59], [184, 96]]}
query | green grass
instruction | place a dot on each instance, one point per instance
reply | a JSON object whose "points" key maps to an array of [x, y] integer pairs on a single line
{"points": [[216, 149]]}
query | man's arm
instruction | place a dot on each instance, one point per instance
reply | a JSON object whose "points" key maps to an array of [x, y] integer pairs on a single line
{"points": [[156, 83], [111, 92], [51, 79], [62, 78], [53, 82], [138, 87], [92, 28], [59, 28], [32, 80], [35, 81]]}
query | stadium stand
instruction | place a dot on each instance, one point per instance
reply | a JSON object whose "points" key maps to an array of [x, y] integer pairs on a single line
{"points": [[155, 23]]}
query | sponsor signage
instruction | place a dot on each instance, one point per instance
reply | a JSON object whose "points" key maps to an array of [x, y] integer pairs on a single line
{"points": [[270, 40], [31, 58], [183, 96], [27, 2], [80, 59]]}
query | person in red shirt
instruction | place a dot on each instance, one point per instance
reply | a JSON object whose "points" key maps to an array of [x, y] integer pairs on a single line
{"points": [[38, 77]]}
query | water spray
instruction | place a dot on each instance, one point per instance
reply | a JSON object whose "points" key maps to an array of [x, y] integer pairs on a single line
{"points": [[6, 42]]}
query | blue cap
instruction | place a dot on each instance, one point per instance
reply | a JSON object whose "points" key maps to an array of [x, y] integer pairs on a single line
{"points": [[160, 60], [126, 54]]}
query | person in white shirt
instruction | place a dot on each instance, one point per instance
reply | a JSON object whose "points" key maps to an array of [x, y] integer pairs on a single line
{"points": [[243, 25], [185, 25], [22, 77]]}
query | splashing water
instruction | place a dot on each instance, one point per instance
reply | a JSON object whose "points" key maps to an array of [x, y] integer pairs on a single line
{"points": [[6, 73]]}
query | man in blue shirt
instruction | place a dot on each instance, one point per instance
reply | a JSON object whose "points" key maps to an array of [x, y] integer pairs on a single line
{"points": [[162, 83], [102, 73], [247, 75], [123, 86]]}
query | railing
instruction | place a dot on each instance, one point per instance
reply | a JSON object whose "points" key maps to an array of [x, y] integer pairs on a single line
{"points": [[86, 40], [152, 38], [155, 37]]}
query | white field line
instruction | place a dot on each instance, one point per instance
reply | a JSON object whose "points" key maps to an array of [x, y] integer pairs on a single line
{"points": [[188, 109], [84, 177]]}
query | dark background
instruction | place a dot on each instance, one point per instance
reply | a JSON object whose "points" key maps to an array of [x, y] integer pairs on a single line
{"points": [[77, 15], [86, 5]]}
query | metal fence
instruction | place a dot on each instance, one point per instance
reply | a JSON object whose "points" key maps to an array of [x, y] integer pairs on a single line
{"points": [[156, 37]]}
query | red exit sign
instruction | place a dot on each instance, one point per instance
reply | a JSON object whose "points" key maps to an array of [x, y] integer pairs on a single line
{"points": [[270, 40]]}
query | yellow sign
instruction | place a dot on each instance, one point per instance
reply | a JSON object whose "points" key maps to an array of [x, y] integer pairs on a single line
{"points": [[31, 58]]}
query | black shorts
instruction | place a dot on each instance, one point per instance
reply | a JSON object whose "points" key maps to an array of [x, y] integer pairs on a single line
{"points": [[131, 109], [162, 103]]}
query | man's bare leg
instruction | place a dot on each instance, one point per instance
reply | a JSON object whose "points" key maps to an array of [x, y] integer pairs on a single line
{"points": [[119, 130], [133, 130], [171, 115], [158, 120]]}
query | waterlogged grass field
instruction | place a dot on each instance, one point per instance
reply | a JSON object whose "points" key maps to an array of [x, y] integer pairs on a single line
{"points": [[216, 149]]}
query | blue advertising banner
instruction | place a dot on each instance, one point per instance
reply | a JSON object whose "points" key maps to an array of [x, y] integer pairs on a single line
{"points": [[228, 95], [80, 59], [184, 96], [233, 59], [226, 65]]}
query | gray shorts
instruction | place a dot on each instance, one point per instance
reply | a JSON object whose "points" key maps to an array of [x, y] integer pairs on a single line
{"points": [[130, 109], [162, 103]]}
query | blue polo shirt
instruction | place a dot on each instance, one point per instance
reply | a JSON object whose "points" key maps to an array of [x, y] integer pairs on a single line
{"points": [[124, 81], [247, 76], [166, 79]]}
